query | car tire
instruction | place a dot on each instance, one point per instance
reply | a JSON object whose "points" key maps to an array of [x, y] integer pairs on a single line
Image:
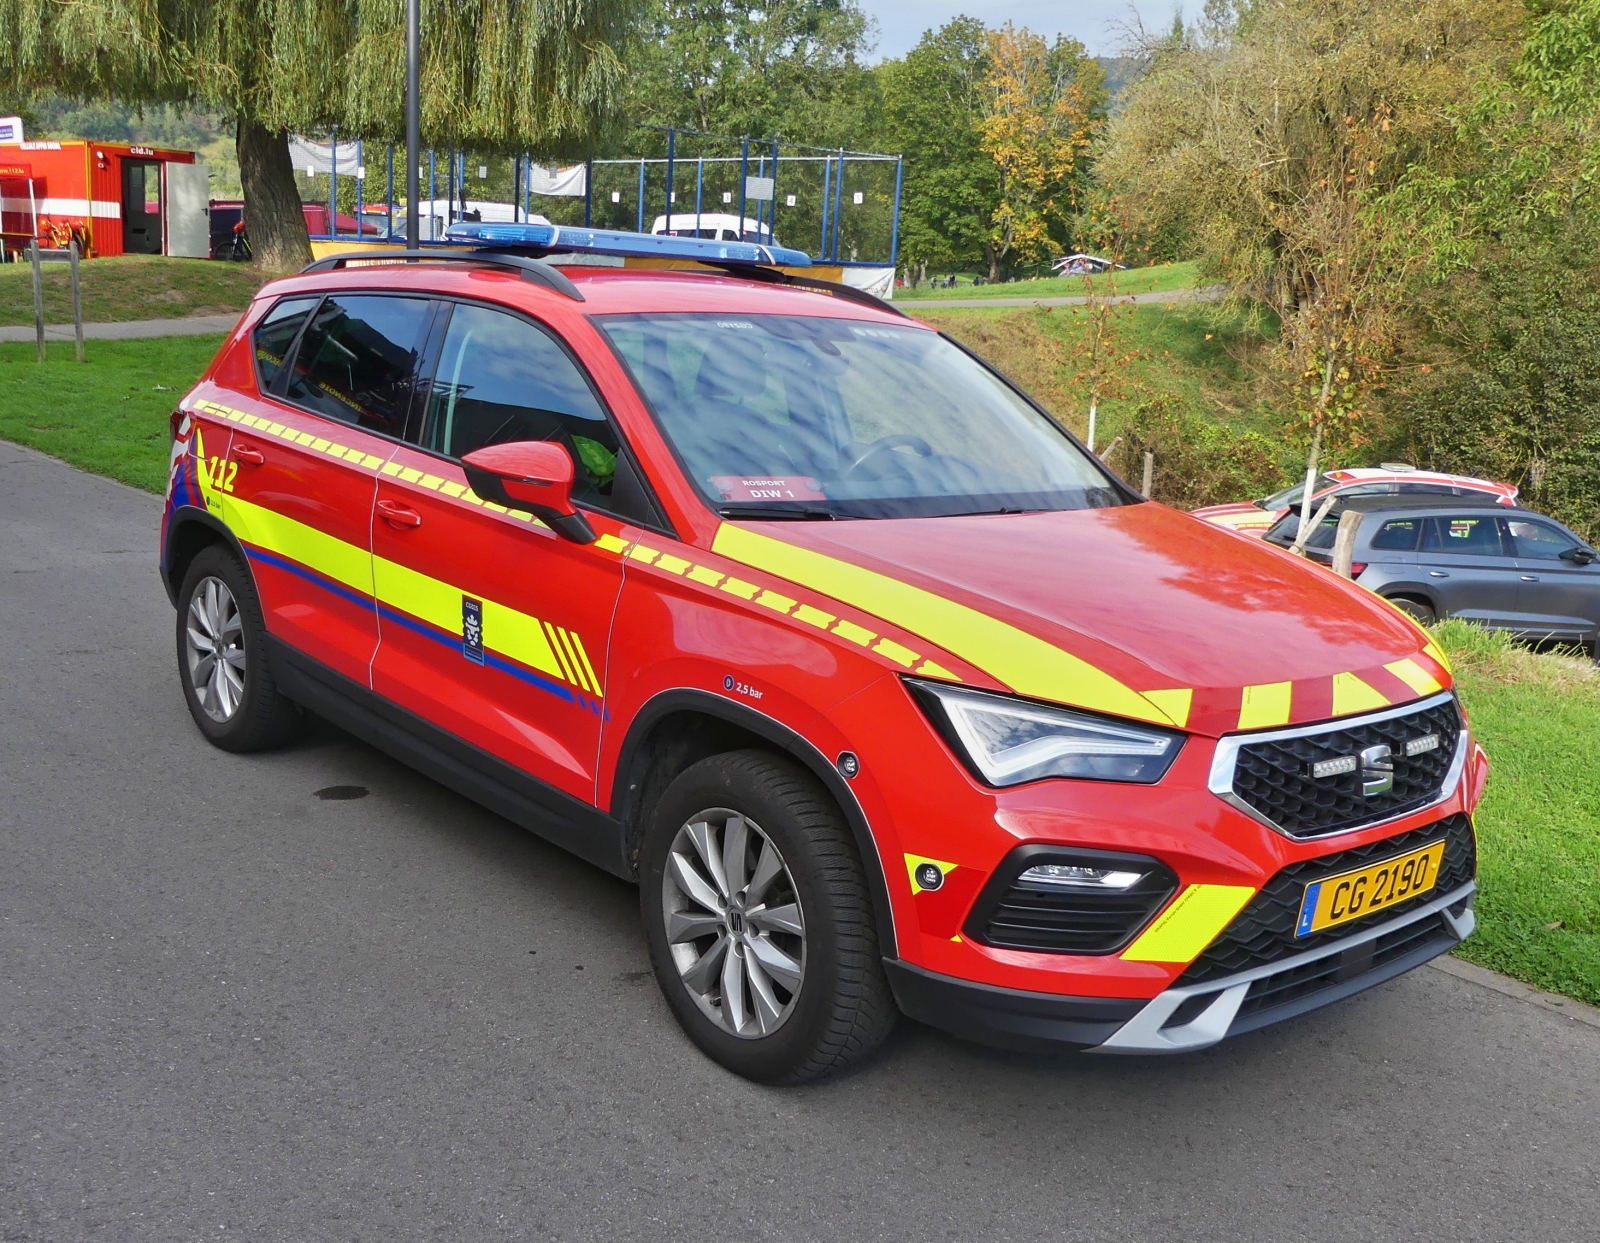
{"points": [[1419, 611], [222, 657], [799, 956]]}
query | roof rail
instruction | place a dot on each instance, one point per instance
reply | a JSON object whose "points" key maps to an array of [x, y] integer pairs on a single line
{"points": [[838, 289], [557, 239], [532, 270]]}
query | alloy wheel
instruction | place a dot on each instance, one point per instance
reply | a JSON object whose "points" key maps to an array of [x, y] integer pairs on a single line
{"points": [[215, 649], [733, 923]]}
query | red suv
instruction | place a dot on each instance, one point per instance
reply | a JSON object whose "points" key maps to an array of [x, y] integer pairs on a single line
{"points": [[886, 692]]}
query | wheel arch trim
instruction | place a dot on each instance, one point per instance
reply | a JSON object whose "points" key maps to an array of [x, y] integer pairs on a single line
{"points": [[184, 517], [787, 741]]}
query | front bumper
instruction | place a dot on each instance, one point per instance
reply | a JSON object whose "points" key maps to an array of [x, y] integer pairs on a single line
{"points": [[1181, 1019]]}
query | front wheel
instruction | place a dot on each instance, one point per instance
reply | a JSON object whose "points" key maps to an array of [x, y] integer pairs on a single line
{"points": [[759, 920]]}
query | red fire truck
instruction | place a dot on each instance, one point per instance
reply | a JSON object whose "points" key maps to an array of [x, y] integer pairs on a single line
{"points": [[111, 198]]}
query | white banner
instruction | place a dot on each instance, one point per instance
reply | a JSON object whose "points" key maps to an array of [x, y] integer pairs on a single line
{"points": [[569, 182], [309, 155]]}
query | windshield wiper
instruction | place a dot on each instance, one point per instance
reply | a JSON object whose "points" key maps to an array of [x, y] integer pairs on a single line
{"points": [[764, 513]]}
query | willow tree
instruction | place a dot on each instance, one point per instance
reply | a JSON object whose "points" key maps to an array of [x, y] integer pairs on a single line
{"points": [[496, 74]]}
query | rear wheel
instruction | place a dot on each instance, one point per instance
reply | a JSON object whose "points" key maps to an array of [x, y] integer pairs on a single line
{"points": [[222, 657], [759, 921], [1420, 610]]}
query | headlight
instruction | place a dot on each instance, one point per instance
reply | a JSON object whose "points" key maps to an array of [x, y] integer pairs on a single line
{"points": [[1009, 741]]}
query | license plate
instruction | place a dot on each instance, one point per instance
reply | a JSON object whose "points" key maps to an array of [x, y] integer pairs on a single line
{"points": [[1351, 895]]}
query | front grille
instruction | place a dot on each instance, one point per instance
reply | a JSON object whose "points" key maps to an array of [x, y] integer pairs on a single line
{"points": [[1264, 931], [1274, 776], [1029, 917]]}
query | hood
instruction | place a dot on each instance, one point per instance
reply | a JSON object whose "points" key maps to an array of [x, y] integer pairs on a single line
{"points": [[1136, 610]]}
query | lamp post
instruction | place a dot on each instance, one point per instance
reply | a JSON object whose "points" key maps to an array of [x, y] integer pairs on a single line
{"points": [[413, 122]]}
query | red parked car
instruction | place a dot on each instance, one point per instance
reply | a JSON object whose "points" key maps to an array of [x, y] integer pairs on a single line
{"points": [[888, 695], [1406, 484]]}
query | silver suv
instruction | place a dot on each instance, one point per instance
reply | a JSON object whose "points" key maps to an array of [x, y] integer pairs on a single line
{"points": [[1517, 571]]}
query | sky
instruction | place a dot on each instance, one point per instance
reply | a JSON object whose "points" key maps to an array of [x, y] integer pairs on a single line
{"points": [[901, 22]]}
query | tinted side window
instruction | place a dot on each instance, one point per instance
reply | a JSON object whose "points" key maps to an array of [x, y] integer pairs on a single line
{"points": [[275, 334], [357, 359], [1470, 536], [1536, 541], [1398, 535], [501, 379]]}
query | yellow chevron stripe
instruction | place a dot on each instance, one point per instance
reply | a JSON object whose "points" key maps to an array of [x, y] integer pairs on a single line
{"points": [[1351, 694], [1021, 660], [1415, 676], [1190, 924], [1266, 705]]}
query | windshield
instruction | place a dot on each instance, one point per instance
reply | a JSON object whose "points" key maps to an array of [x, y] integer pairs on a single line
{"points": [[1290, 497], [797, 416]]}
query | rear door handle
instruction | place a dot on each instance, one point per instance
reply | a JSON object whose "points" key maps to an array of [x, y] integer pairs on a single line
{"points": [[1437, 574], [248, 456], [1530, 578], [398, 515]]}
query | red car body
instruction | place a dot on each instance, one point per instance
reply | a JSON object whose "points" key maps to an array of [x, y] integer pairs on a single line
{"points": [[1257, 518], [803, 635]]}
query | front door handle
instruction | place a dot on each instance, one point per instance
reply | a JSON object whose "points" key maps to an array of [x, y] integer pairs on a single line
{"points": [[248, 456], [1530, 578], [398, 515], [1437, 574]]}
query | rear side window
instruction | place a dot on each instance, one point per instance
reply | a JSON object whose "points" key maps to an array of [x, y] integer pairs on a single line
{"points": [[357, 360], [1463, 535], [501, 379], [1398, 535], [275, 335]]}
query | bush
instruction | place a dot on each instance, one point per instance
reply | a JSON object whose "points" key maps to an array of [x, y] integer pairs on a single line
{"points": [[1197, 461]]}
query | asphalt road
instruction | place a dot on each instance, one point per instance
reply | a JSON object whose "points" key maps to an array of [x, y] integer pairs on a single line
{"points": [[231, 1009]]}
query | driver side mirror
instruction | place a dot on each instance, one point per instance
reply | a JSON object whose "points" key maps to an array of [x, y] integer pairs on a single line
{"points": [[1579, 556], [532, 475]]}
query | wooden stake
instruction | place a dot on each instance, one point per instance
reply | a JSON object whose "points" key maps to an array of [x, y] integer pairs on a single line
{"points": [[1344, 542], [38, 297], [77, 299], [1149, 473]]}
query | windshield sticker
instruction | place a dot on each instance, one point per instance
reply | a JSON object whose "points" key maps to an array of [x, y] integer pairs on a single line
{"points": [[776, 488]]}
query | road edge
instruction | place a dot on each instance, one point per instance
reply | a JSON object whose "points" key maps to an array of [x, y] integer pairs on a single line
{"points": [[1571, 1008]]}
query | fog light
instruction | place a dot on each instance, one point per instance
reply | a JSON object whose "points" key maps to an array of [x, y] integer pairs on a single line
{"points": [[1067, 876]]}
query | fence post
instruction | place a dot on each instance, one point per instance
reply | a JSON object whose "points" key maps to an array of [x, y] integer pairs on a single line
{"points": [[77, 299], [38, 297], [588, 193], [744, 181], [640, 229], [1149, 473], [894, 227], [1344, 542], [672, 157], [333, 182]]}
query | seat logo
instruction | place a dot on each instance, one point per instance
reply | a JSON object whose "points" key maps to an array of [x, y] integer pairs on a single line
{"points": [[1377, 770]]}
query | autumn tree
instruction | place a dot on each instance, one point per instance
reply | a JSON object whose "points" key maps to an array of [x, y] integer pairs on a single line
{"points": [[1043, 105], [501, 74], [1272, 133]]}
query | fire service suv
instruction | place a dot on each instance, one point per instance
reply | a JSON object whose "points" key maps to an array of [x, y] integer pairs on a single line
{"points": [[890, 697]]}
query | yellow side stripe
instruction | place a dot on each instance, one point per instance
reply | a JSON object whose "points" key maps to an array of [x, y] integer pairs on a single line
{"points": [[1020, 660], [324, 553], [1190, 924]]}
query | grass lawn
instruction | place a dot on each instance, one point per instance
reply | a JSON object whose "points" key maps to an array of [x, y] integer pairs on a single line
{"points": [[1159, 277], [108, 415], [1538, 717], [1190, 352], [129, 287]]}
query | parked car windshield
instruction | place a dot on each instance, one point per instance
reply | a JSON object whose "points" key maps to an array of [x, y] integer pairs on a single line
{"points": [[1292, 495], [802, 416]]}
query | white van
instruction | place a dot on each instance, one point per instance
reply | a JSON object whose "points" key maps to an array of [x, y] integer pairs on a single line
{"points": [[717, 226]]}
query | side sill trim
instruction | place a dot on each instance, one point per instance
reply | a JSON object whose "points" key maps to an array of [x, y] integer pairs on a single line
{"points": [[1145, 1033], [470, 771]]}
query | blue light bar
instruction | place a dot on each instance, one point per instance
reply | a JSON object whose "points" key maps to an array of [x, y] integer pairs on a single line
{"points": [[558, 239]]}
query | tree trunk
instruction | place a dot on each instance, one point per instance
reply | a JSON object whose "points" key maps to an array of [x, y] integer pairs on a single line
{"points": [[272, 212]]}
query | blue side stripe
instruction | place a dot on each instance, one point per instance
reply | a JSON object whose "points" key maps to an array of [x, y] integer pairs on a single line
{"points": [[427, 631], [310, 575], [490, 659]]}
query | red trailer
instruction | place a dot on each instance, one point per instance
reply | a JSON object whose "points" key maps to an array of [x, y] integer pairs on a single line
{"points": [[112, 198]]}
